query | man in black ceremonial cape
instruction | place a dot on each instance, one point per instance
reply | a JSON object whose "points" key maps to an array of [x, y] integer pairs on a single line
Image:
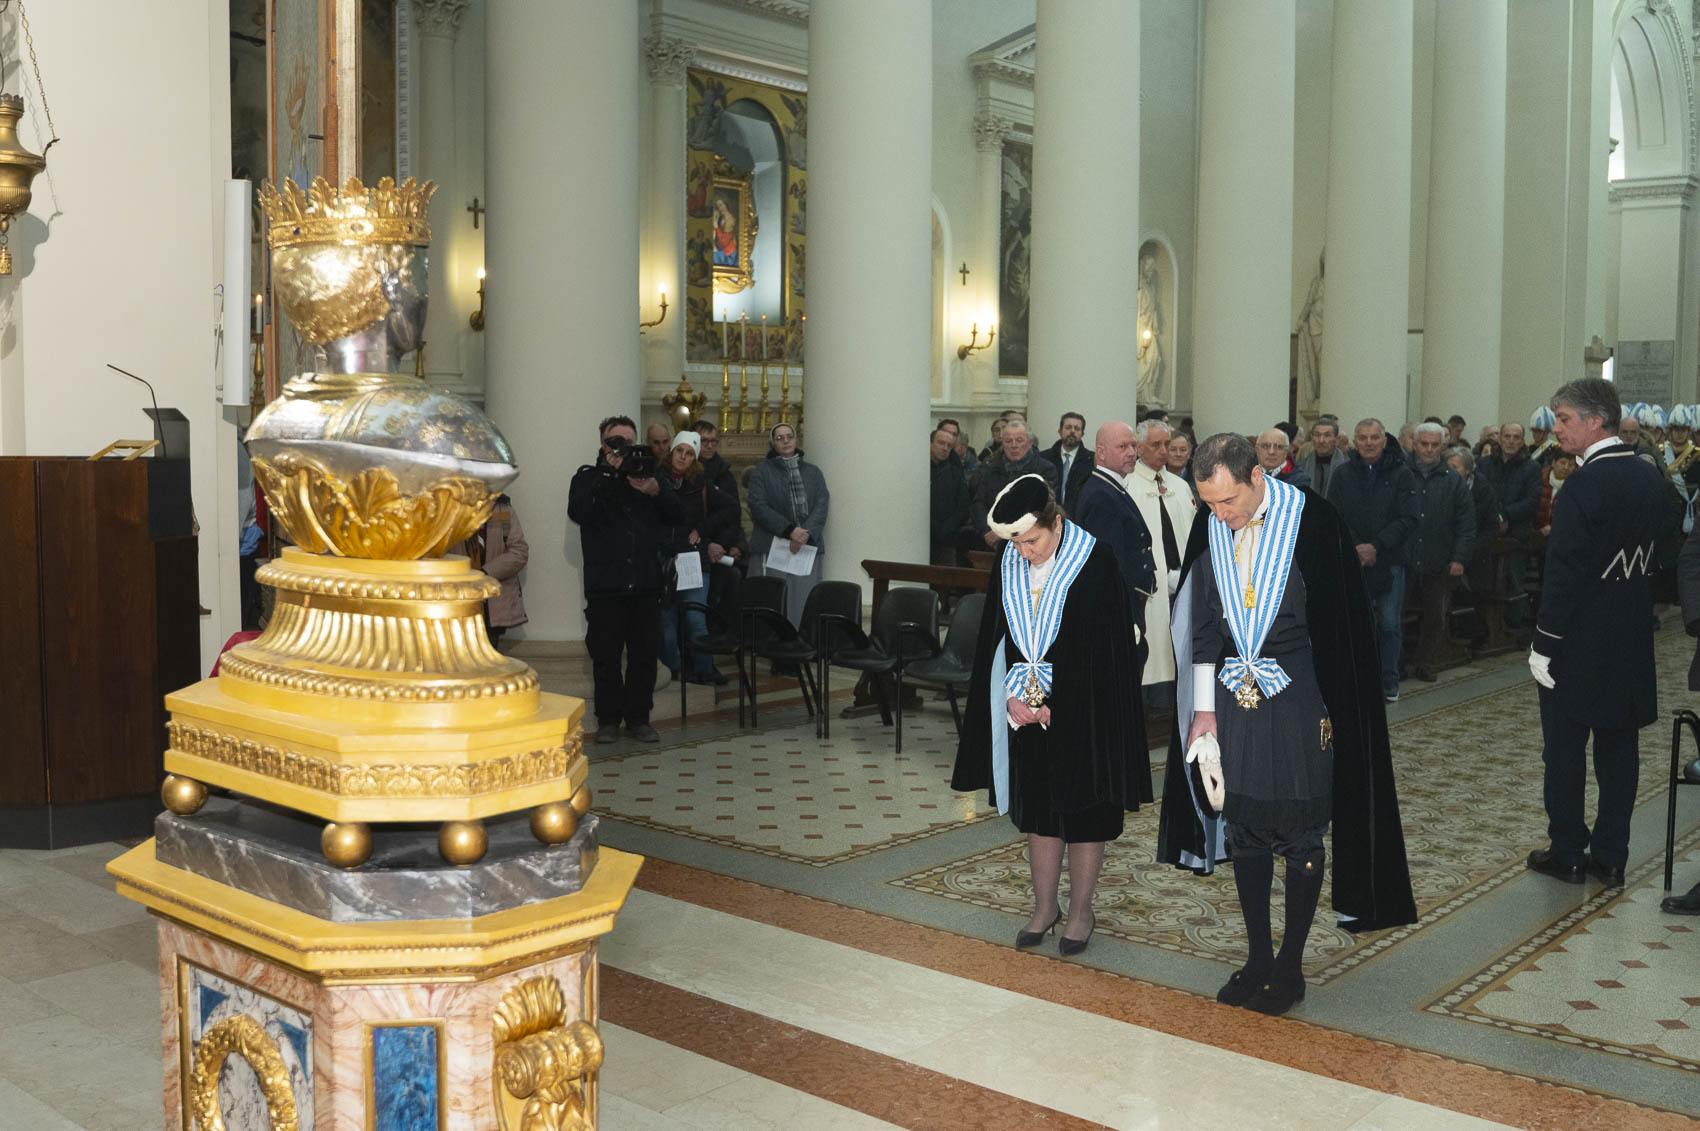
{"points": [[1302, 730]]}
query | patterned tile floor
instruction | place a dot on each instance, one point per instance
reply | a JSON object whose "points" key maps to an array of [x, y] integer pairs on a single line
{"points": [[785, 793], [1615, 975]]}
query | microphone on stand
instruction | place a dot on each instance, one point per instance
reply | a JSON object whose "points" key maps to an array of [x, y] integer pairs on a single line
{"points": [[158, 424]]}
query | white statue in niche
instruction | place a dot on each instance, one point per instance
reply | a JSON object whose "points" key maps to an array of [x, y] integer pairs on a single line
{"points": [[1151, 361], [1309, 333]]}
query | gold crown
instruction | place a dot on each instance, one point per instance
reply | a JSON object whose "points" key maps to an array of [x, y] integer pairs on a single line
{"points": [[387, 213]]}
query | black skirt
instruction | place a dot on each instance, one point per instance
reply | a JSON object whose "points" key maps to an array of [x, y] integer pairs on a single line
{"points": [[1030, 792]]}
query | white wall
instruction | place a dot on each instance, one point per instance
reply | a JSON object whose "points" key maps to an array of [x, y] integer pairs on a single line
{"points": [[118, 256]]}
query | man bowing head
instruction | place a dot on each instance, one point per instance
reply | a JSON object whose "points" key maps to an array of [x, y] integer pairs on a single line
{"points": [[1277, 649]]}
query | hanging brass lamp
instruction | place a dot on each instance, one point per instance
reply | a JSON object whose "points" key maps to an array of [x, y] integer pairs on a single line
{"points": [[18, 166]]}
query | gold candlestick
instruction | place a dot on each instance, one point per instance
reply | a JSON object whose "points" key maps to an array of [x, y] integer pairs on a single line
{"points": [[797, 425], [743, 396], [785, 390], [764, 419], [725, 393]]}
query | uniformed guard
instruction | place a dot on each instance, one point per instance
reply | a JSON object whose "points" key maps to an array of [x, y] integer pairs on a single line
{"points": [[1593, 643]]}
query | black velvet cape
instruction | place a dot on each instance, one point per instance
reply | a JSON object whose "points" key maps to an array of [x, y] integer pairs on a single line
{"points": [[1372, 881], [1097, 734]]}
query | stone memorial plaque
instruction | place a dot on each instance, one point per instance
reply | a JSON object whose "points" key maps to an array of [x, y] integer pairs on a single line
{"points": [[1644, 371]]}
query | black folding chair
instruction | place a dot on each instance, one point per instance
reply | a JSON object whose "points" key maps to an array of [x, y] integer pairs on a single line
{"points": [[1684, 718], [731, 632], [798, 647], [953, 667], [903, 633]]}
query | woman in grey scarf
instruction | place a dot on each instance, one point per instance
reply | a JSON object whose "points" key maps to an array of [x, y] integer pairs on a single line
{"points": [[788, 501]]}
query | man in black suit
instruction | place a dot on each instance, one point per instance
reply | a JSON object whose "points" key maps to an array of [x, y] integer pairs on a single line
{"points": [[1072, 458], [1688, 590], [1593, 645], [1104, 509]]}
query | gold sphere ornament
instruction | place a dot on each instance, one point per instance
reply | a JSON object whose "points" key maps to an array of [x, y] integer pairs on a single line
{"points": [[554, 823], [462, 842], [581, 801], [181, 795], [347, 844]]}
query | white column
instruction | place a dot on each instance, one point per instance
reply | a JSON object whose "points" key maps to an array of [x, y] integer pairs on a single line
{"points": [[1548, 143], [435, 23], [560, 316], [1369, 211], [1466, 213], [1085, 233], [870, 316], [663, 257], [1242, 332], [990, 132]]}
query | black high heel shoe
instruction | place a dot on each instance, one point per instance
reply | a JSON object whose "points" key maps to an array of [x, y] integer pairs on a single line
{"points": [[1025, 939], [1068, 947]]}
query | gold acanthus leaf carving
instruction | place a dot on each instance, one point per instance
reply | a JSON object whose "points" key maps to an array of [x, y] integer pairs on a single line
{"points": [[391, 780], [544, 1065], [370, 516], [247, 1038]]}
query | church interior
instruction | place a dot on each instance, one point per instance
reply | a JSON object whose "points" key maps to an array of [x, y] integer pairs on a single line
{"points": [[314, 817]]}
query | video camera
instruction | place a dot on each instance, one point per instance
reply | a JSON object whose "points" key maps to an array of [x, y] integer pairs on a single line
{"points": [[637, 461]]}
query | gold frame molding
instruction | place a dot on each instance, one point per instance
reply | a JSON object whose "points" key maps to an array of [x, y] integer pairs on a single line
{"points": [[437, 1023], [731, 280]]}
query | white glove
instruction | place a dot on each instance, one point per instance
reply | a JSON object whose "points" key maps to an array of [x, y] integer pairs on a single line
{"points": [[1541, 667], [1208, 754], [1174, 581]]}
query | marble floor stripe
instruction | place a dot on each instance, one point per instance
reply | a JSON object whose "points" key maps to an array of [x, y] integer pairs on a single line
{"points": [[1382, 1066], [833, 1070]]}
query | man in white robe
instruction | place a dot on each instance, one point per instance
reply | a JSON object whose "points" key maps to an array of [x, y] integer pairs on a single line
{"points": [[1165, 502]]}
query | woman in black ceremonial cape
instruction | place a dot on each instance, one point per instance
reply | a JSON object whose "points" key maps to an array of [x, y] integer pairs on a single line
{"points": [[1054, 730]]}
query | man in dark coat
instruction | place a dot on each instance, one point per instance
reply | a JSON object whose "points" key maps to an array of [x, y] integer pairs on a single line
{"points": [[1376, 496], [1106, 511], [1286, 772], [1516, 480], [1593, 645], [1326, 456], [1440, 546], [1019, 458], [1071, 457], [623, 522], [1688, 589], [949, 508], [1479, 570], [1275, 456], [728, 532]]}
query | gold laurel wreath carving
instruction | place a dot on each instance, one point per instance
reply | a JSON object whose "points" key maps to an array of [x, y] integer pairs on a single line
{"points": [[544, 1065], [369, 516], [247, 1038], [388, 780], [470, 587]]}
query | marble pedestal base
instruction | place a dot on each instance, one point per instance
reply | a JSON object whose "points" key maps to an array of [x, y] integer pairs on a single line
{"points": [[290, 1022]]}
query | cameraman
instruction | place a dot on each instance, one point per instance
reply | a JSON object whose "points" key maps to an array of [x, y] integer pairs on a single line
{"points": [[623, 514]]}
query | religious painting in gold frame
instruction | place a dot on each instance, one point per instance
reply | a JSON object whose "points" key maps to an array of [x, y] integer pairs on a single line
{"points": [[733, 201]]}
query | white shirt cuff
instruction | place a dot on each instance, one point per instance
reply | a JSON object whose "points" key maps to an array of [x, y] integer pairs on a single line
{"points": [[1204, 687]]}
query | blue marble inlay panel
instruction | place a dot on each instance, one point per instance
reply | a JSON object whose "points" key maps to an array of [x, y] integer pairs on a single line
{"points": [[406, 1091], [212, 998]]}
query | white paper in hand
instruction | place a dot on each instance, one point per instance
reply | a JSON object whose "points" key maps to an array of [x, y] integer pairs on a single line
{"points": [[690, 570], [1208, 755], [780, 559]]}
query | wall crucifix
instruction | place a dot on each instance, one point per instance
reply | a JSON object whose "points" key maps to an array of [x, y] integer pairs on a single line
{"points": [[477, 210]]}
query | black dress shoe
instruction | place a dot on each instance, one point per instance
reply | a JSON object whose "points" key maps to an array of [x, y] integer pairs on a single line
{"points": [[1543, 861], [1607, 875], [1025, 939], [1279, 994], [1240, 988], [1068, 947], [1682, 904]]}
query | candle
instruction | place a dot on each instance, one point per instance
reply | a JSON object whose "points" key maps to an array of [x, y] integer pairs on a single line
{"points": [[259, 314], [724, 351], [764, 337]]}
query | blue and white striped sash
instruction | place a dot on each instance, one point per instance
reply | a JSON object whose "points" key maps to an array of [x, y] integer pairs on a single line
{"points": [[1272, 561], [1034, 629]]}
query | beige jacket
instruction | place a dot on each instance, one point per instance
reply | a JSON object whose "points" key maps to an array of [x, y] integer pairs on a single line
{"points": [[505, 554]]}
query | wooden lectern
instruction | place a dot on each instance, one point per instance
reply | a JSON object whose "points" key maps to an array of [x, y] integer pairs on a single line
{"points": [[99, 619]]}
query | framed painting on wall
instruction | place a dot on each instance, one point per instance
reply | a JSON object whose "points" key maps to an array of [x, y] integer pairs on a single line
{"points": [[734, 213]]}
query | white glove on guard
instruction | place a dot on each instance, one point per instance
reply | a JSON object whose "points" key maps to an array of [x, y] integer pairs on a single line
{"points": [[1208, 754], [1541, 667]]}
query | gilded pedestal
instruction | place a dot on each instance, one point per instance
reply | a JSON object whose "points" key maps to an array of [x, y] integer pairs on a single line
{"points": [[378, 879]]}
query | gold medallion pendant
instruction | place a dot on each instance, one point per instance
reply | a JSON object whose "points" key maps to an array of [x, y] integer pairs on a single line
{"points": [[1031, 693], [1246, 693]]}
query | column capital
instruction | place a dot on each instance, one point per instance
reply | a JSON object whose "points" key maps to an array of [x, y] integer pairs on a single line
{"points": [[439, 17], [991, 131], [667, 59]]}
